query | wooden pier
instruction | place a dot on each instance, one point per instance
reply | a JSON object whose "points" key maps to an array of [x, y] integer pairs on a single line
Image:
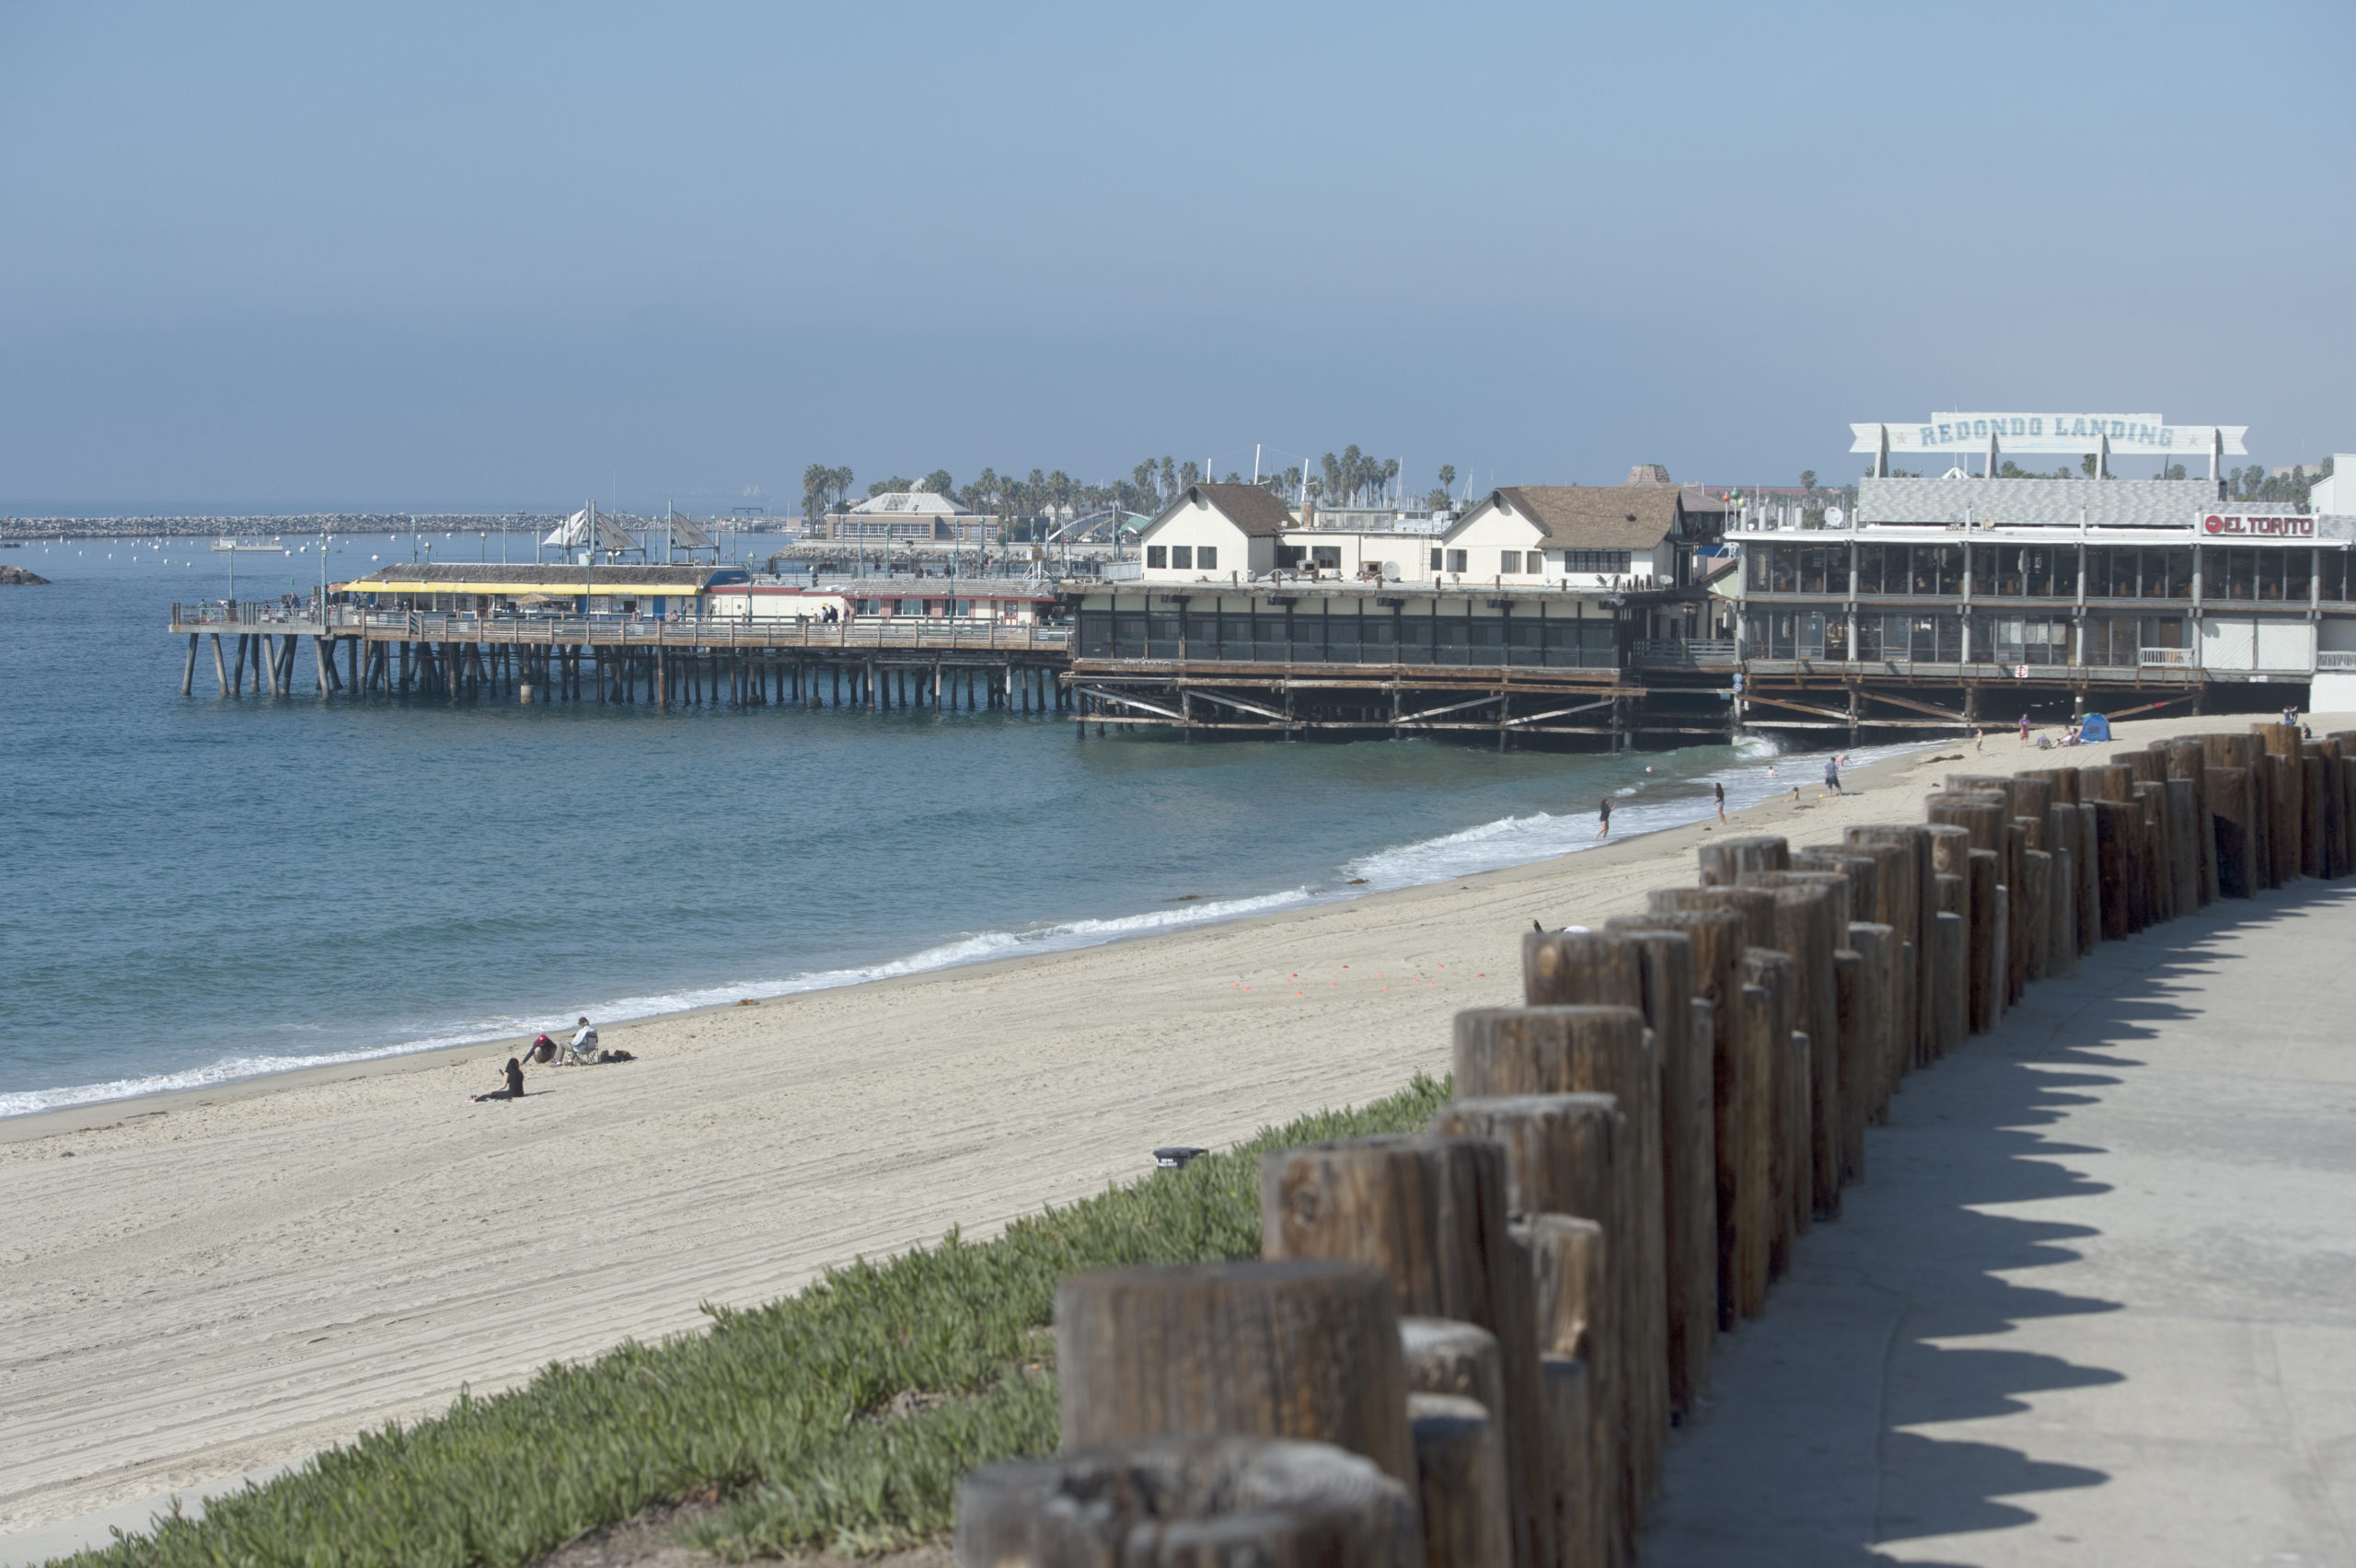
{"points": [[665, 662], [1515, 706]]}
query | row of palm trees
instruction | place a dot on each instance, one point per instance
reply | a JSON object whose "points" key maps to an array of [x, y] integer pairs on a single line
{"points": [[1351, 478]]}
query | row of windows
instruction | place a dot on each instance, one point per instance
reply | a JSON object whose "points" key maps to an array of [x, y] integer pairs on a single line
{"points": [[1525, 564], [2042, 571], [2114, 641], [1187, 557], [1362, 639]]}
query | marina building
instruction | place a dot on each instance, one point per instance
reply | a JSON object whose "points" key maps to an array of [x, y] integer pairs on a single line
{"points": [[910, 517], [1969, 597]]}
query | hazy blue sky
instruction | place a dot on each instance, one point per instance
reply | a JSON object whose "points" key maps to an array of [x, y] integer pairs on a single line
{"points": [[439, 255]]}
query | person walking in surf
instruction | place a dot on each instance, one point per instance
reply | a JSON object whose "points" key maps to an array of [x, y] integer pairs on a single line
{"points": [[1719, 790], [1603, 820]]}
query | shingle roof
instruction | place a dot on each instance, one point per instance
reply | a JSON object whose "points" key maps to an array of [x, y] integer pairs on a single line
{"points": [[1252, 508], [1597, 517], [2109, 503]]}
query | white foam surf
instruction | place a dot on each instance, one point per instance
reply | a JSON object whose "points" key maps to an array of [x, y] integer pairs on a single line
{"points": [[1645, 804], [978, 947]]}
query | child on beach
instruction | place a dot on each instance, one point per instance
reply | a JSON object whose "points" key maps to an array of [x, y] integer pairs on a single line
{"points": [[1719, 790], [1604, 819], [514, 1089]]}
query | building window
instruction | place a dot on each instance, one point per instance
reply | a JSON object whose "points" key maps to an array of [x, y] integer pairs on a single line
{"points": [[1435, 558], [1456, 560], [1325, 558], [1206, 558], [1182, 558], [1157, 557], [1603, 563]]}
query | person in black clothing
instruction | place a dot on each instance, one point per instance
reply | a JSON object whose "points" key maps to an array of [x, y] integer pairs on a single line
{"points": [[1720, 791], [514, 1089], [1603, 818]]}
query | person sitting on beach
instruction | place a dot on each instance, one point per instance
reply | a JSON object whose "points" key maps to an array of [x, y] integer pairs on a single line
{"points": [[584, 1044], [514, 1089]]}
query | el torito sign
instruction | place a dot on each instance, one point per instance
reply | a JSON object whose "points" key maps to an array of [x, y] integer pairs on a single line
{"points": [[2259, 525]]}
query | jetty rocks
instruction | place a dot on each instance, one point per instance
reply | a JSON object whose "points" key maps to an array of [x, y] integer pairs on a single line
{"points": [[18, 577]]}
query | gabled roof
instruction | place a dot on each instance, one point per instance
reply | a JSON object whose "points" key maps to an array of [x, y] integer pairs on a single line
{"points": [[1253, 510], [918, 502], [1593, 517]]}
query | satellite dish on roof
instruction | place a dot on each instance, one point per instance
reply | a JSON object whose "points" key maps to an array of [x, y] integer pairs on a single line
{"points": [[1834, 516]]}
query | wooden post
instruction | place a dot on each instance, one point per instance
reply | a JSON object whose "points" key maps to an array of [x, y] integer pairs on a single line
{"points": [[1570, 1160], [1987, 935], [1180, 1501], [1463, 1505], [1595, 1050], [2231, 813], [1579, 1533], [2116, 825], [2315, 845], [1429, 1212], [1303, 1348], [2061, 918], [2266, 793], [2287, 812], [1862, 972], [2188, 760], [1812, 917], [1756, 906], [220, 670], [1910, 905], [1723, 861], [1776, 1127], [1461, 1493], [1583, 968], [188, 671], [1718, 939]]}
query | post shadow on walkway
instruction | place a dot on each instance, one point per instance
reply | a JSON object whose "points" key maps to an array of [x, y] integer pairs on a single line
{"points": [[1806, 1451]]}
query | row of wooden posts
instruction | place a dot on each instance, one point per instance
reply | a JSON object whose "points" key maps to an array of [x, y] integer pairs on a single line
{"points": [[665, 676], [1467, 1347]]}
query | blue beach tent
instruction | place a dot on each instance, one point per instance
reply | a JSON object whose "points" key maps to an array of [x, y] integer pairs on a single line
{"points": [[2094, 727]]}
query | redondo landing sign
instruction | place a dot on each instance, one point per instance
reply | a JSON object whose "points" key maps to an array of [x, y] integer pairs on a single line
{"points": [[2127, 435]]}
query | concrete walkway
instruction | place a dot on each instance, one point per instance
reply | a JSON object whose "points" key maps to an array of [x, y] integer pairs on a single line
{"points": [[2096, 1301]]}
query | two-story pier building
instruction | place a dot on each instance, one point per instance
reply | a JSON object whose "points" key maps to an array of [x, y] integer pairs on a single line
{"points": [[1965, 598], [1520, 621]]}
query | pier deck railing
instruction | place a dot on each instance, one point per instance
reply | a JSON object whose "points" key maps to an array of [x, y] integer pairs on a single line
{"points": [[931, 634]]}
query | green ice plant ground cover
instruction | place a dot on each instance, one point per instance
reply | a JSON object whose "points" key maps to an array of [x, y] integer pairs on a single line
{"points": [[777, 1408]]}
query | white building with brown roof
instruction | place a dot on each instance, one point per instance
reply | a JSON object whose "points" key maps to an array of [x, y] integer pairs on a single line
{"points": [[1591, 536], [1213, 533]]}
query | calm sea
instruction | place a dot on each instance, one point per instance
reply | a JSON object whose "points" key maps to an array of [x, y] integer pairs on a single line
{"points": [[200, 889]]}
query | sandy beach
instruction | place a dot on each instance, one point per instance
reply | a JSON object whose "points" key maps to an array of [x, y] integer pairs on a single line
{"points": [[218, 1281]]}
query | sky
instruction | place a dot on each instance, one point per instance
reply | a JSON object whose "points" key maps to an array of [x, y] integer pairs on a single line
{"points": [[487, 256]]}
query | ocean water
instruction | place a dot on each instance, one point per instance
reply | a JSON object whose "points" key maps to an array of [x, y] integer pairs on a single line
{"points": [[194, 889]]}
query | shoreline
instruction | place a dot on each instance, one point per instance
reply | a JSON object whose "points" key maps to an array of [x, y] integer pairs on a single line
{"points": [[220, 1284], [370, 1061]]}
